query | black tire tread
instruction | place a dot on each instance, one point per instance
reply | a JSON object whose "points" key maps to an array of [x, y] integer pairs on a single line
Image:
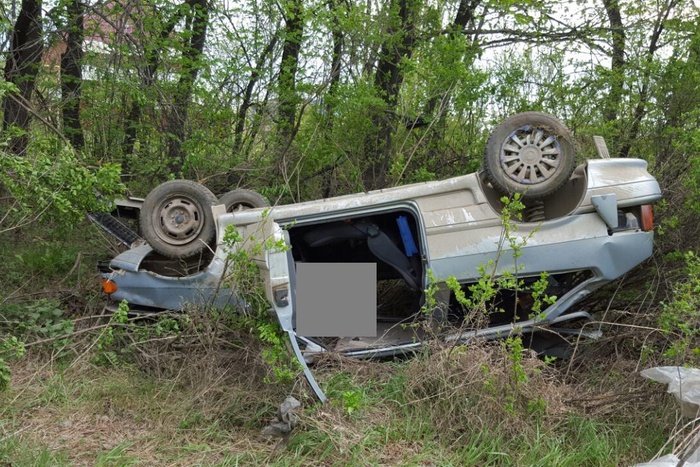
{"points": [[492, 152], [188, 188]]}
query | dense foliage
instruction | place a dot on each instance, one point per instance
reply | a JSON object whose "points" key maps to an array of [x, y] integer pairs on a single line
{"points": [[307, 99]]}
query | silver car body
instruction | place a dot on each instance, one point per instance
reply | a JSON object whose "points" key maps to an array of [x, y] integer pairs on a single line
{"points": [[591, 228]]}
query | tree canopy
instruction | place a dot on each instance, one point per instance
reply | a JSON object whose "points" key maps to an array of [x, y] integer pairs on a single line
{"points": [[317, 98]]}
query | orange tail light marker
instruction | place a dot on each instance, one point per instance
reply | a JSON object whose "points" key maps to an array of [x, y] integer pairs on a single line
{"points": [[109, 286], [647, 218]]}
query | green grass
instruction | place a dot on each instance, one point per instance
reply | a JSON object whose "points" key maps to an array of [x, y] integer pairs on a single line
{"points": [[20, 451], [122, 416], [200, 399]]}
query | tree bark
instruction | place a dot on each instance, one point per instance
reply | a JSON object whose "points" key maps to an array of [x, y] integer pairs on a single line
{"points": [[338, 38], [72, 76], [397, 46], [197, 21], [242, 114], [147, 73], [456, 29], [640, 108], [21, 67], [338, 41], [612, 8], [288, 97]]}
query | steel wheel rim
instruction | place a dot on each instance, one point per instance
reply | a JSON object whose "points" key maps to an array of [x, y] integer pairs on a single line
{"points": [[530, 155], [180, 219]]}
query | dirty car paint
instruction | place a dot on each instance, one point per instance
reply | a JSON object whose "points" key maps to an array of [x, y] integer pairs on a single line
{"points": [[458, 228]]}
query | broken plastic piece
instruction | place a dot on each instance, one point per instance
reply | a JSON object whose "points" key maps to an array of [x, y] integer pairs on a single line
{"points": [[606, 205], [669, 460], [684, 383], [286, 419]]}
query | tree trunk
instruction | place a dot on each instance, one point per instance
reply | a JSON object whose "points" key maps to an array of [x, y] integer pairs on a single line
{"points": [[72, 76], [640, 109], [612, 8], [336, 56], [197, 21], [288, 97], [248, 94], [338, 41], [397, 46], [147, 72], [21, 67], [435, 109]]}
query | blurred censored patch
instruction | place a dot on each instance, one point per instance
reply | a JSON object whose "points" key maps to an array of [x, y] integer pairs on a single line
{"points": [[336, 299]]}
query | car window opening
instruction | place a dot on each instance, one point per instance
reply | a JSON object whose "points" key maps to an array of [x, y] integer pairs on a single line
{"points": [[388, 239]]}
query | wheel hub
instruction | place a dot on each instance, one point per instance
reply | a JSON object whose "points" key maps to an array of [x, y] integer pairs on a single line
{"points": [[180, 220], [530, 155]]}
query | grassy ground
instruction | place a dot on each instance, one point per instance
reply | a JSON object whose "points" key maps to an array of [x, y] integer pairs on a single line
{"points": [[186, 392], [457, 409]]}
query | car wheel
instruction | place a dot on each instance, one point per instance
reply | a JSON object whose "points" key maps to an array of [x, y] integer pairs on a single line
{"points": [[176, 218], [530, 153], [241, 199]]}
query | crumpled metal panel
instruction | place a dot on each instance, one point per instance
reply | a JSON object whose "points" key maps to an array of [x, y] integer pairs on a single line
{"points": [[458, 231]]}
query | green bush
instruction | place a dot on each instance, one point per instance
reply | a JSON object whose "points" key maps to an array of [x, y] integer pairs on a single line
{"points": [[680, 315], [52, 182]]}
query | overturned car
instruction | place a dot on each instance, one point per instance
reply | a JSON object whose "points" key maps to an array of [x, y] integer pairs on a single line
{"points": [[583, 226]]}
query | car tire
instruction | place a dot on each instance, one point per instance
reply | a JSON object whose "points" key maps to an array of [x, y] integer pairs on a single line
{"points": [[176, 218], [241, 199], [530, 153]]}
